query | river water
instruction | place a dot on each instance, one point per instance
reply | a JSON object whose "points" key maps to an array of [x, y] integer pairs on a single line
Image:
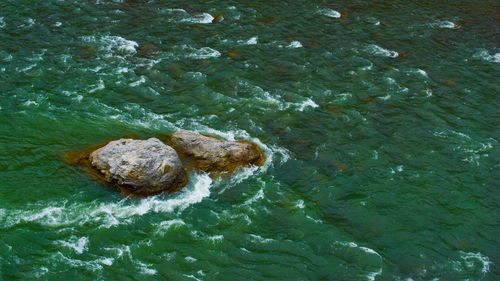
{"points": [[379, 120]]}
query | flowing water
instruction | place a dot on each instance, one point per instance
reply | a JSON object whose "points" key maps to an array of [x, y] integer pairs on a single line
{"points": [[379, 120]]}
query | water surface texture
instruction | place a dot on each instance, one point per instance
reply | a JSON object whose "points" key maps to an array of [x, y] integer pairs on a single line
{"points": [[379, 121]]}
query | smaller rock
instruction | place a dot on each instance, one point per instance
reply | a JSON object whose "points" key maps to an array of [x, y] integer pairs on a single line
{"points": [[140, 167], [211, 154], [217, 18]]}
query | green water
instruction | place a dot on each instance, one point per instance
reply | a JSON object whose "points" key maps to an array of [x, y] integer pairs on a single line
{"points": [[378, 167]]}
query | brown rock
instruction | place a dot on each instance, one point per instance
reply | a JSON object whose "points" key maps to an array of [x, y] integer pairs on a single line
{"points": [[211, 154]]}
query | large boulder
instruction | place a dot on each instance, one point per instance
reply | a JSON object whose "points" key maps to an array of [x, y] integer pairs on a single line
{"points": [[211, 154], [140, 167]]}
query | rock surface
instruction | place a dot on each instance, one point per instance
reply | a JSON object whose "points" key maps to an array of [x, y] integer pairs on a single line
{"points": [[211, 154], [140, 167]]}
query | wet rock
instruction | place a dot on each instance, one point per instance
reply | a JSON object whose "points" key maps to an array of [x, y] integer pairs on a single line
{"points": [[217, 18], [211, 154], [140, 167]]}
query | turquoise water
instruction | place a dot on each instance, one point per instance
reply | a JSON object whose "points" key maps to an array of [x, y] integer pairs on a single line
{"points": [[379, 120]]}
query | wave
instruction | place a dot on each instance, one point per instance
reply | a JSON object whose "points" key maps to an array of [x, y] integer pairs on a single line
{"points": [[484, 55], [294, 44], [107, 215], [204, 53], [112, 45], [379, 51], [329, 13], [373, 274], [446, 24], [470, 260], [203, 18], [79, 245]]}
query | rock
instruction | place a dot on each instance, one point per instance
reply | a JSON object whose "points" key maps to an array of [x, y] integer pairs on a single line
{"points": [[140, 167], [211, 154], [217, 18]]}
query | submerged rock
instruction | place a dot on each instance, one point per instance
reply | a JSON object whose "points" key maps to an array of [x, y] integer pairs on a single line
{"points": [[211, 154], [140, 167]]}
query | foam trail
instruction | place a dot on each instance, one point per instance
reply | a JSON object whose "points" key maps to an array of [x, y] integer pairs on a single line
{"points": [[111, 214]]}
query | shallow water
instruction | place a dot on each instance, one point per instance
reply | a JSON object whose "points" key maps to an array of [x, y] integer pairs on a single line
{"points": [[379, 121]]}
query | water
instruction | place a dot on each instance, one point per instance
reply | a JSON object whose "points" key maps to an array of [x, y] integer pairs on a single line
{"points": [[379, 121]]}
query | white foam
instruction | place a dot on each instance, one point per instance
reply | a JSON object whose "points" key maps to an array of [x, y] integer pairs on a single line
{"points": [[93, 265], [469, 259], [99, 86], [107, 261], [255, 198], [379, 51], [447, 24], [369, 251], [114, 213], [428, 92], [121, 43], [29, 23], [203, 18], [165, 225], [200, 18], [374, 274], [386, 97], [422, 72], [314, 220], [193, 277], [42, 272], [30, 102], [307, 103], [175, 10], [144, 268], [294, 44], [26, 68], [204, 53], [371, 275], [190, 259], [261, 239], [330, 13], [300, 204], [368, 67], [484, 55], [111, 45], [448, 133], [216, 238], [2, 22], [397, 169], [354, 245], [342, 97], [252, 41], [138, 82], [78, 98], [79, 245]]}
